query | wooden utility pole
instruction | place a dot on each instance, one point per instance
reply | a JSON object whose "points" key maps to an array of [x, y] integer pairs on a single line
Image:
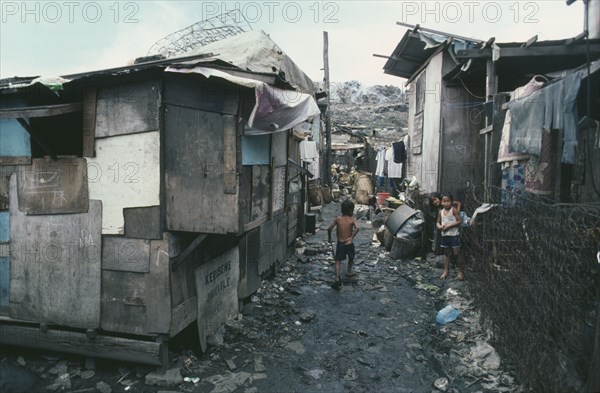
{"points": [[490, 92], [327, 111]]}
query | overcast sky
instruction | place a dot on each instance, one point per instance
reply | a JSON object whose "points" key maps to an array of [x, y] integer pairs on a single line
{"points": [[63, 37]]}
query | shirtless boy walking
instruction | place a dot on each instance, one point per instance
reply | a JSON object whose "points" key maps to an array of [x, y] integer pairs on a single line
{"points": [[345, 247]]}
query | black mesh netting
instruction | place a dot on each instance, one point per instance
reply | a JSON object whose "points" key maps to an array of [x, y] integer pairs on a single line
{"points": [[533, 271]]}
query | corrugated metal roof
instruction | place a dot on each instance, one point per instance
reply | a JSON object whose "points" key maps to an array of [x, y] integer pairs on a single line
{"points": [[416, 48], [409, 55]]}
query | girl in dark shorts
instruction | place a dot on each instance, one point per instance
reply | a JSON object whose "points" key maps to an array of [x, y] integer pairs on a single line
{"points": [[448, 222]]}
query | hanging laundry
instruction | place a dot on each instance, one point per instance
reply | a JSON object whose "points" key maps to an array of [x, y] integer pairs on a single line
{"points": [[552, 107], [399, 152], [506, 152], [380, 158], [539, 171], [513, 182], [394, 169], [310, 155], [314, 168], [308, 150]]}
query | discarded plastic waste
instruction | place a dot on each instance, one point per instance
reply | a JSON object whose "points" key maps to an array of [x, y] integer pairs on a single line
{"points": [[441, 384], [316, 373], [446, 315]]}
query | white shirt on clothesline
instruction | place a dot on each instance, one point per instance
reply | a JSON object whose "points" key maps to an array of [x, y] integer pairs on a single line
{"points": [[394, 170]]}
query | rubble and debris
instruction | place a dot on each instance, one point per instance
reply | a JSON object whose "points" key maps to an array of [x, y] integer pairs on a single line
{"points": [[231, 364], [296, 347], [193, 380], [344, 341], [315, 373], [258, 364], [87, 374], [60, 368], [307, 315], [227, 383], [60, 383], [103, 387], [170, 377]]}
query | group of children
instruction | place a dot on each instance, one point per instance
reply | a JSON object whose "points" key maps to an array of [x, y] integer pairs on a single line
{"points": [[448, 221]]}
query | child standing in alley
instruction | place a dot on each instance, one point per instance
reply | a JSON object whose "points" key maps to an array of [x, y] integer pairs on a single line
{"points": [[345, 225], [448, 222]]}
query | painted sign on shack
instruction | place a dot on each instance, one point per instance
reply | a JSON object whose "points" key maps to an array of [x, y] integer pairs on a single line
{"points": [[217, 285]]}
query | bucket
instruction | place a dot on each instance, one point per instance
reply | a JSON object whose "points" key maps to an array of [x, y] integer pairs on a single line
{"points": [[381, 197]]}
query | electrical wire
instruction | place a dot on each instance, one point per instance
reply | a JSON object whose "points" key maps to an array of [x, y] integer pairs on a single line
{"points": [[466, 104], [467, 89]]}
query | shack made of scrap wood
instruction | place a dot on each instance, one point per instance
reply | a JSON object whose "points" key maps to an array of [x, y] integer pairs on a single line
{"points": [[134, 206]]}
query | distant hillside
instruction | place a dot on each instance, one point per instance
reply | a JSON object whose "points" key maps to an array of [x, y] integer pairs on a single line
{"points": [[372, 106]]}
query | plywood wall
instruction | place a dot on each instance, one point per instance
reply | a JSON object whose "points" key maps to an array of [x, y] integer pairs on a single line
{"points": [[125, 173]]}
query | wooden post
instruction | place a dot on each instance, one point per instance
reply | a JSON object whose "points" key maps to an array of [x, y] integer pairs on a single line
{"points": [[163, 340], [327, 111], [272, 185], [490, 91]]}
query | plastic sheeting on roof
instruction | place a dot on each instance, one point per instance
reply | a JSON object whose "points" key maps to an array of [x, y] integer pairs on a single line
{"points": [[274, 109], [255, 51], [432, 40]]}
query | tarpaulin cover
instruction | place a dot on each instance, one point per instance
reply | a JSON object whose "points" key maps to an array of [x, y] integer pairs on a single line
{"points": [[255, 51], [277, 109]]}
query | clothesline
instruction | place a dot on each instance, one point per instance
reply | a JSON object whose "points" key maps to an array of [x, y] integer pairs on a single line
{"points": [[390, 159]]}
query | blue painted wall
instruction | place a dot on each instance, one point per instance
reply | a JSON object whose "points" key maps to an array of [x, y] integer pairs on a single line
{"points": [[14, 140], [256, 149]]}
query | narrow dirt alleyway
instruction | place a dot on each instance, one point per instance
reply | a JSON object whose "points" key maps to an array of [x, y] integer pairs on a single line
{"points": [[376, 334], [297, 334]]}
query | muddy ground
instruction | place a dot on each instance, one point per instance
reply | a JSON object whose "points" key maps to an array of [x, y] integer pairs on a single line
{"points": [[298, 334]]}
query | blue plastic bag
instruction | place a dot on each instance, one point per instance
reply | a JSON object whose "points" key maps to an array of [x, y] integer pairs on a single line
{"points": [[446, 315]]}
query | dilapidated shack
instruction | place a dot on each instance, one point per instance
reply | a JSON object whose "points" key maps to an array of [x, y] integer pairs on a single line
{"points": [[459, 93], [138, 200]]}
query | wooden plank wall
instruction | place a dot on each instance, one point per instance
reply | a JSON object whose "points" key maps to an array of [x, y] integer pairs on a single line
{"points": [[273, 245], [123, 349], [53, 187], [5, 173], [293, 199], [48, 253], [135, 286], [279, 148], [127, 108], [245, 196], [198, 93], [183, 292], [78, 270], [216, 286], [261, 191], [201, 185], [143, 222], [249, 256], [125, 173]]}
